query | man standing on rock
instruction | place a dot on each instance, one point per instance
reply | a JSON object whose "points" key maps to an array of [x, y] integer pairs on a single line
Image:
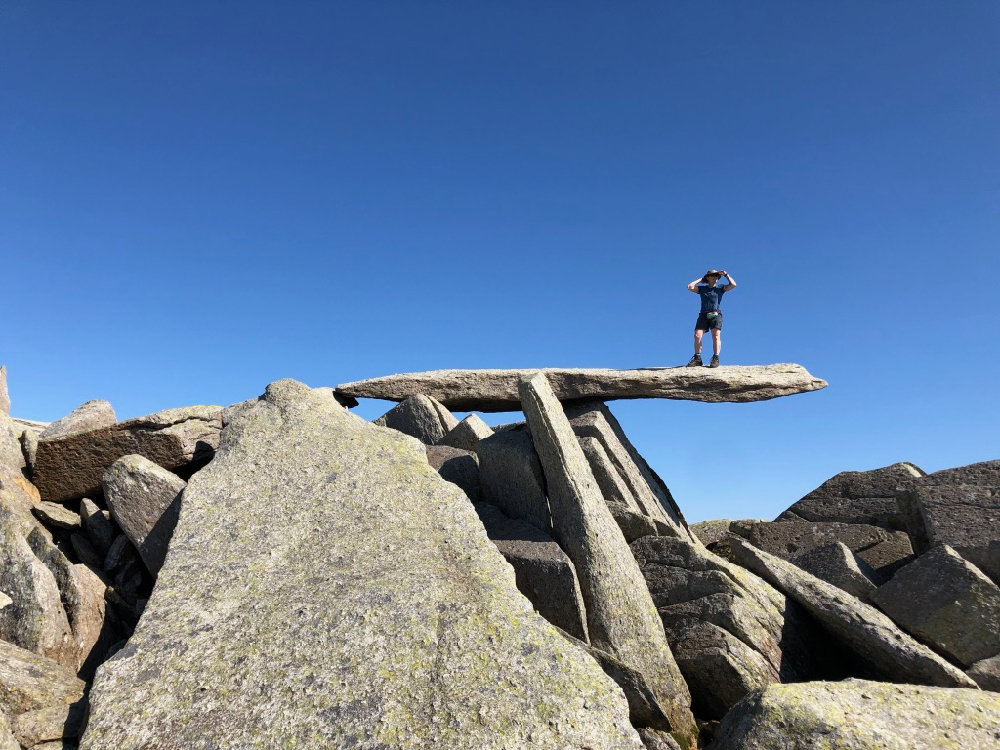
{"points": [[710, 318]]}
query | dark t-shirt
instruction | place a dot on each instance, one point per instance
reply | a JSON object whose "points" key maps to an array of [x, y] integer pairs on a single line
{"points": [[711, 296]]}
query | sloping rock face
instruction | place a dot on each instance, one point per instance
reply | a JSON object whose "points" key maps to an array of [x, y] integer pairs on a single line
{"points": [[836, 564], [375, 614], [730, 631], [895, 656], [90, 415], [621, 617], [459, 467], [947, 602], [71, 466], [29, 681], [860, 715], [961, 508], [420, 417], [497, 390], [511, 478], [467, 433], [862, 497]]}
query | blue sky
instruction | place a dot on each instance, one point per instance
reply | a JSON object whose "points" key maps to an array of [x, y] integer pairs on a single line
{"points": [[197, 198]]}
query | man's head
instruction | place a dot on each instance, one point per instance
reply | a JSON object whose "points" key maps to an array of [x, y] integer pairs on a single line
{"points": [[712, 276]]}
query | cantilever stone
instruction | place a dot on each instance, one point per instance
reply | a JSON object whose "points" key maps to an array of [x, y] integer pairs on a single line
{"points": [[496, 390]]}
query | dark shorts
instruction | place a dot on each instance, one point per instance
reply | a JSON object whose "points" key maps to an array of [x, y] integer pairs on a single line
{"points": [[704, 324]]}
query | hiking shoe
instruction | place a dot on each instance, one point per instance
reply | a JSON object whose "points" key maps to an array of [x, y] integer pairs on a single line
{"points": [[715, 361], [695, 361]]}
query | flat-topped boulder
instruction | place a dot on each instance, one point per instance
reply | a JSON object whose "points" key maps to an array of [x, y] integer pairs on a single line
{"points": [[496, 390]]}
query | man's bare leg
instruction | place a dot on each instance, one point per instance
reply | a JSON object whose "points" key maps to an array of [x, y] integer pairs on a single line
{"points": [[697, 341], [716, 342]]}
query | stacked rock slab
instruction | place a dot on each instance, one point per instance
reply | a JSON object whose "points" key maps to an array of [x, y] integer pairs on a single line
{"points": [[961, 508], [730, 631], [71, 466], [621, 617], [376, 613], [511, 478], [497, 390], [836, 564], [891, 654], [90, 415], [863, 715], [862, 497], [420, 417]]}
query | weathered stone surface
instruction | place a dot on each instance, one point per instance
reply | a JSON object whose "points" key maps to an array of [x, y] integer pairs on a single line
{"points": [[947, 603], [886, 551], [57, 515], [29, 681], [467, 433], [621, 617], [861, 715], [986, 673], [376, 614], [496, 390], [29, 449], [4, 395], [862, 497], [836, 564], [421, 417], [71, 466], [56, 722], [710, 532], [100, 531], [85, 551], [633, 523], [653, 739], [510, 476], [649, 495], [145, 501], [961, 508], [730, 631], [7, 741], [890, 652], [456, 466], [91, 415], [32, 426], [544, 573]]}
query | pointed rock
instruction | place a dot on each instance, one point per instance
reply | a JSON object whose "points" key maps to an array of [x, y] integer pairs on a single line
{"points": [[251, 637], [862, 628], [420, 417], [91, 415], [621, 617], [467, 433], [836, 564]]}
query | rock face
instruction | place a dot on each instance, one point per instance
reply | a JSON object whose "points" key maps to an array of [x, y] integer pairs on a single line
{"points": [[862, 497], [145, 501], [961, 508], [375, 614], [860, 715], [511, 478], [71, 466], [420, 417], [621, 617], [497, 390], [836, 564], [545, 575], [730, 631], [467, 433], [891, 653], [456, 466], [90, 415], [946, 602]]}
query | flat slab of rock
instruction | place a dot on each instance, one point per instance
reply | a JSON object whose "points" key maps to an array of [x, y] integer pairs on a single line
{"points": [[621, 617], [861, 715], [29, 681], [362, 605], [496, 390], [859, 626], [71, 466], [836, 564]]}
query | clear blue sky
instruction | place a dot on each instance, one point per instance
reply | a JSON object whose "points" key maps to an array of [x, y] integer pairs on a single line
{"points": [[197, 198]]}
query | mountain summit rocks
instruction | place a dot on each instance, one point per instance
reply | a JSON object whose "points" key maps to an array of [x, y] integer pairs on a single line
{"points": [[497, 390]]}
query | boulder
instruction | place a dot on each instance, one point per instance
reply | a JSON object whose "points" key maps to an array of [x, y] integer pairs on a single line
{"points": [[836, 564], [29, 449], [29, 681], [145, 501], [857, 497], [961, 508], [55, 514], [947, 603], [653, 739], [361, 605], [497, 390], [61, 721], [7, 741], [456, 466], [510, 477], [98, 527], [710, 532], [91, 415], [71, 466], [891, 654], [861, 715], [886, 551], [621, 617], [648, 494], [634, 524], [730, 631], [543, 572], [467, 433], [986, 673], [421, 417]]}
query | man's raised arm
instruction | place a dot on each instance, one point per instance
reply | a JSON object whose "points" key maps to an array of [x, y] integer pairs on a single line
{"points": [[730, 285], [693, 286]]}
